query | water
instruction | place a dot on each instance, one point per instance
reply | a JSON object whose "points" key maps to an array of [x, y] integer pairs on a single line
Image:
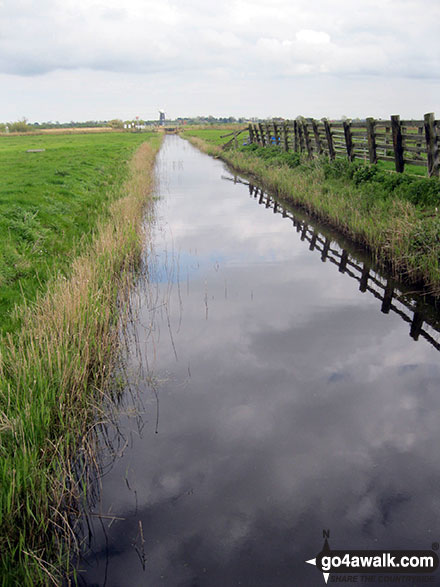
{"points": [[276, 389]]}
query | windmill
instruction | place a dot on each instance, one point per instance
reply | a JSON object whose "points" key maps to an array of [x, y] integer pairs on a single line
{"points": [[161, 117]]}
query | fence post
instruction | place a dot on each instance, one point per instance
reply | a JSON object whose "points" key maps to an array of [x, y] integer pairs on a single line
{"points": [[317, 137], [371, 138], [307, 139], [299, 127], [295, 137], [328, 134], [276, 132], [257, 134], [431, 144], [262, 138], [397, 143], [286, 135], [420, 132], [251, 133], [348, 140], [268, 137]]}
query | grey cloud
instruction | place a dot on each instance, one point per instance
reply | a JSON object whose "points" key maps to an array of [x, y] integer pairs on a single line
{"points": [[146, 37]]}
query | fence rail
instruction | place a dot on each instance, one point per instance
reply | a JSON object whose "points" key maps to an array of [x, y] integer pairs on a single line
{"points": [[405, 142]]}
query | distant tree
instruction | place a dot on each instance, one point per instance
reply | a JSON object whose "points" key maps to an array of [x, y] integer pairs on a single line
{"points": [[115, 123], [2, 127], [20, 126]]}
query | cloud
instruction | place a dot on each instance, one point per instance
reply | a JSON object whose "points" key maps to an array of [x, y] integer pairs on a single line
{"points": [[145, 36], [312, 37], [224, 56]]}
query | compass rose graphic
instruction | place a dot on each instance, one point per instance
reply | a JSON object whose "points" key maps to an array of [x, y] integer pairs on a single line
{"points": [[324, 552]]}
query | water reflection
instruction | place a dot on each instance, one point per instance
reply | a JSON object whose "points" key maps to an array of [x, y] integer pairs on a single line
{"points": [[411, 308], [288, 402]]}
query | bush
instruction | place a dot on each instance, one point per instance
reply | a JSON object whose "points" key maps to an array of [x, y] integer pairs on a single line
{"points": [[377, 185], [20, 126], [273, 155], [380, 184]]}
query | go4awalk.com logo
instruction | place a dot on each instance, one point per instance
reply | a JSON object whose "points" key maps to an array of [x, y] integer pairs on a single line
{"points": [[375, 563]]}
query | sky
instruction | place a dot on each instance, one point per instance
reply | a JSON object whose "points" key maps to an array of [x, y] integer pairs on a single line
{"points": [[102, 59]]}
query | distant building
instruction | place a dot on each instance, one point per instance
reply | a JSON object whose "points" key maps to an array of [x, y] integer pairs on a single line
{"points": [[161, 117]]}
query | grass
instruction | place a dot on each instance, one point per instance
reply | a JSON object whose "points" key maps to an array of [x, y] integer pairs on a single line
{"points": [[54, 364], [394, 215], [49, 205], [212, 135]]}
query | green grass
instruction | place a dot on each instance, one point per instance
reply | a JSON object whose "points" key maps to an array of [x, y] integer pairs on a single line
{"points": [[213, 136], [395, 215], [49, 205], [409, 169], [54, 364]]}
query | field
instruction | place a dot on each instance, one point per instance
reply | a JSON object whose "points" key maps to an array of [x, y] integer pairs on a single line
{"points": [[49, 204], [395, 215], [213, 135], [70, 222]]}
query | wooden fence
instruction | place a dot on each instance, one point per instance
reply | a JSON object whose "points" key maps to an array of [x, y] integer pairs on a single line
{"points": [[412, 142]]}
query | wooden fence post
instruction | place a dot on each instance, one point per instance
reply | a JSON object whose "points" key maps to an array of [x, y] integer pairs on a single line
{"points": [[254, 133], [348, 140], [257, 134], [307, 139], [286, 135], [295, 137], [317, 137], [268, 137], [420, 132], [262, 138], [328, 134], [371, 139], [299, 126], [431, 144], [276, 132], [397, 143], [251, 133]]}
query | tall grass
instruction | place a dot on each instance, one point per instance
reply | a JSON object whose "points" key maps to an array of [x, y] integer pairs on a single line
{"points": [[52, 374]]}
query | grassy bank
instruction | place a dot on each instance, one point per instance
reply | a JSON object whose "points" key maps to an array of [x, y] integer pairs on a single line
{"points": [[50, 202], [53, 363], [394, 215]]}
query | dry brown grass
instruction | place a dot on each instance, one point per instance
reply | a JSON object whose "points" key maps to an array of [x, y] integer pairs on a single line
{"points": [[61, 131]]}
